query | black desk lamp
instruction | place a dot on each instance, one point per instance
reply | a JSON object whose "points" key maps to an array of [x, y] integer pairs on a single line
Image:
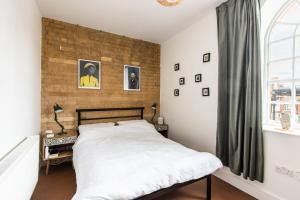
{"points": [[153, 107], [58, 109]]}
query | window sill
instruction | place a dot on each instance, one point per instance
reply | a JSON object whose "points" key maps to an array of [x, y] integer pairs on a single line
{"points": [[275, 129]]}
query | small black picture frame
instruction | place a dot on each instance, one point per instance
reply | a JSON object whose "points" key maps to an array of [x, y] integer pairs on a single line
{"points": [[206, 57], [181, 81], [205, 92], [176, 67], [176, 92], [198, 78]]}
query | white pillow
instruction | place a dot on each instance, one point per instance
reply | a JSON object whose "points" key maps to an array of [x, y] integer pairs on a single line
{"points": [[97, 125], [132, 121]]}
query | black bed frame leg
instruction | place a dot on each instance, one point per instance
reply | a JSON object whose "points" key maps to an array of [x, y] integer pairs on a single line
{"points": [[208, 187]]}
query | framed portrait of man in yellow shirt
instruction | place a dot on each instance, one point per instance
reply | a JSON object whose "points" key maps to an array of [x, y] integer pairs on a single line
{"points": [[89, 74]]}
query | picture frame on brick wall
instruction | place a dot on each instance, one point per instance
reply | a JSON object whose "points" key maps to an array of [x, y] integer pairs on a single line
{"points": [[89, 74], [132, 78]]}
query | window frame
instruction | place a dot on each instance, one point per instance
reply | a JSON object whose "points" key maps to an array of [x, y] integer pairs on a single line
{"points": [[266, 78]]}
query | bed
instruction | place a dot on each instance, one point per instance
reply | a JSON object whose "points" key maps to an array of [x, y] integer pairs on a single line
{"points": [[132, 160]]}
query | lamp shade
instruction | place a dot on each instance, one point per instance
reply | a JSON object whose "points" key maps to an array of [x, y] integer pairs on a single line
{"points": [[154, 106], [169, 2], [57, 108]]}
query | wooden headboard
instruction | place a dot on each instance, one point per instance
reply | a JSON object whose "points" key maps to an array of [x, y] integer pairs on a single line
{"points": [[80, 118]]}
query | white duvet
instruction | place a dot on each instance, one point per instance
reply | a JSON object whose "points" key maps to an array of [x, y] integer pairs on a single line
{"points": [[132, 160]]}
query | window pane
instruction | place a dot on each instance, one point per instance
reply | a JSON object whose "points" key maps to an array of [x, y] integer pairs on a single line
{"points": [[281, 70], [298, 31], [292, 14], [280, 92], [298, 113], [276, 109], [297, 46], [280, 31], [297, 68], [282, 49], [298, 92]]}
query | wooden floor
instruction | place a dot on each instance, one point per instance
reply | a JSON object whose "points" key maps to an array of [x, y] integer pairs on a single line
{"points": [[60, 184]]}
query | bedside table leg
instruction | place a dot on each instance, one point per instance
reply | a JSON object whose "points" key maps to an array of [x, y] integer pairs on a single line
{"points": [[47, 167]]}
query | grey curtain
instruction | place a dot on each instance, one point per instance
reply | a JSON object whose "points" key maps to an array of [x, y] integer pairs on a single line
{"points": [[239, 132]]}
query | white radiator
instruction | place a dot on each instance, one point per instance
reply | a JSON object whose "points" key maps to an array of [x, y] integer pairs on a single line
{"points": [[19, 170]]}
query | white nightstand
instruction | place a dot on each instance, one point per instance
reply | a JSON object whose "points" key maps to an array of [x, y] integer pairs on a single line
{"points": [[162, 129], [58, 149]]}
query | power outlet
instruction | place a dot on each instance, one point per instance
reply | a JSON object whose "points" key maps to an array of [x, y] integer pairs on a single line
{"points": [[297, 175], [285, 171], [288, 172], [278, 169]]}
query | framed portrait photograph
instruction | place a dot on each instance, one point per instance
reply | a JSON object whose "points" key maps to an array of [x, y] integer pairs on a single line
{"points": [[205, 92], [176, 92], [206, 57], [285, 120], [181, 81], [176, 67], [132, 78], [89, 74], [198, 78]]}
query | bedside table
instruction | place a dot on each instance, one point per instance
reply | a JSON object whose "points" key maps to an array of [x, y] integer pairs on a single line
{"points": [[58, 149], [162, 129]]}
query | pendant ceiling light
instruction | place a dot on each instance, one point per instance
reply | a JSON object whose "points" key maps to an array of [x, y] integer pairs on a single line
{"points": [[169, 2]]}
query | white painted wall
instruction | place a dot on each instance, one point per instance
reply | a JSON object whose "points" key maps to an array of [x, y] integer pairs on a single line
{"points": [[186, 113], [193, 118], [20, 55]]}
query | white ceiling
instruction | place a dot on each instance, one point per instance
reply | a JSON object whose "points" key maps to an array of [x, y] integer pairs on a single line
{"points": [[140, 19]]}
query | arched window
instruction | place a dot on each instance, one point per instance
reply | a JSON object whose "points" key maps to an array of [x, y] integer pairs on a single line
{"points": [[283, 65]]}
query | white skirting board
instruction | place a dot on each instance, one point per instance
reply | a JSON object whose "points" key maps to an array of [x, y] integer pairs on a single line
{"points": [[19, 170], [249, 187]]}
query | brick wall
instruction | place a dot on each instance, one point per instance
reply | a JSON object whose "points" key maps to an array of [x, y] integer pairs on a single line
{"points": [[63, 44]]}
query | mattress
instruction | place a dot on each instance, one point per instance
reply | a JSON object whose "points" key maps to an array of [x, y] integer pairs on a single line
{"points": [[132, 160]]}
